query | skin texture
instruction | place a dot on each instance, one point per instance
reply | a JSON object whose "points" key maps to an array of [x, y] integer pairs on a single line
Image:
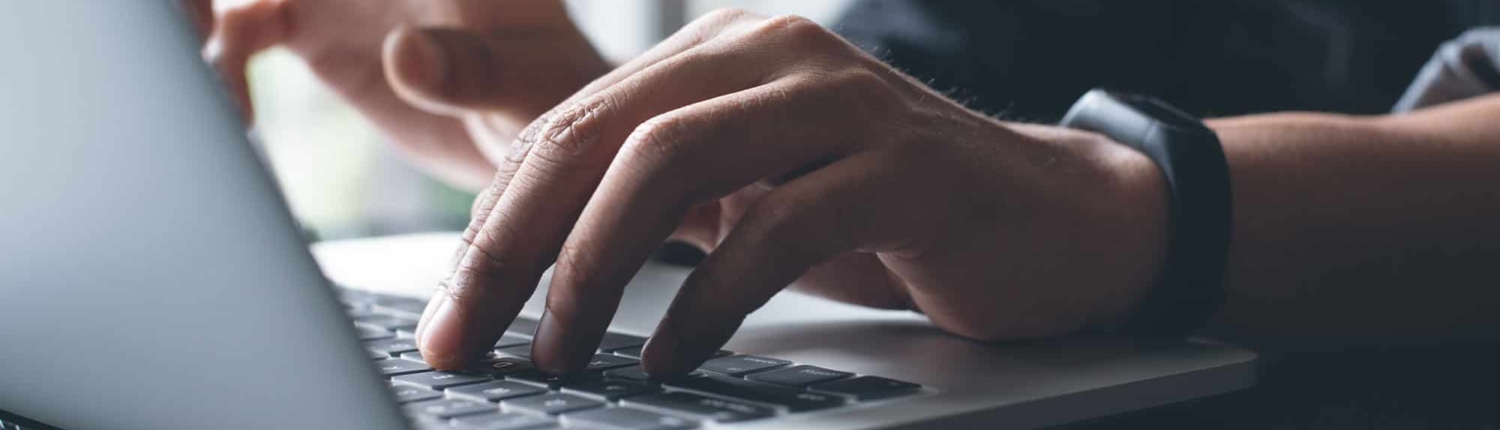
{"points": [[794, 158], [1364, 230]]}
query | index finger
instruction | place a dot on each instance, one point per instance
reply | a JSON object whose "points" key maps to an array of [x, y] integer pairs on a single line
{"points": [[553, 166]]}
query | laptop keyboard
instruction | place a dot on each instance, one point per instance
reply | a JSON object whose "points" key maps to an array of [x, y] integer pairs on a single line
{"points": [[504, 391]]}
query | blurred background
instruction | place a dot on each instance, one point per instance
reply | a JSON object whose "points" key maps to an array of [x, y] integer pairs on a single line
{"points": [[343, 180]]}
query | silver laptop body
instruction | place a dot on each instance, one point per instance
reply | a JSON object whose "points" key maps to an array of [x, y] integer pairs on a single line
{"points": [[151, 276]]}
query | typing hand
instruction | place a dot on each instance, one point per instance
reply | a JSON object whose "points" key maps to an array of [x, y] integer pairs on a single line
{"points": [[368, 51], [792, 156]]}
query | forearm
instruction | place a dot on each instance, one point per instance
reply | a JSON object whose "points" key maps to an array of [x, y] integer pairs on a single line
{"points": [[1364, 226]]}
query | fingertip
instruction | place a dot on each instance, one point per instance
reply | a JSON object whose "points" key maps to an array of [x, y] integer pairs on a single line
{"points": [[442, 338], [433, 303], [658, 358], [551, 351], [671, 352]]}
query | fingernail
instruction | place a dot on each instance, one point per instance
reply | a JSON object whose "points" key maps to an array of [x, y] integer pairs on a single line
{"points": [[432, 306], [547, 339], [660, 358], [442, 338], [554, 352], [428, 64]]}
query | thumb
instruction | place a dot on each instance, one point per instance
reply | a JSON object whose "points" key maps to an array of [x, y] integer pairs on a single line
{"points": [[239, 33], [443, 71]]}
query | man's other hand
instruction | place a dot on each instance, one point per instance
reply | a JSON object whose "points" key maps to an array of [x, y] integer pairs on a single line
{"points": [[514, 59]]}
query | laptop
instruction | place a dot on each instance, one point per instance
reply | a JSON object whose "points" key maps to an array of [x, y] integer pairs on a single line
{"points": [[153, 278]]}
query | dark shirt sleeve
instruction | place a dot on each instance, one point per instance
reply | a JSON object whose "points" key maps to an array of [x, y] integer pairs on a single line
{"points": [[1029, 59], [1464, 67]]}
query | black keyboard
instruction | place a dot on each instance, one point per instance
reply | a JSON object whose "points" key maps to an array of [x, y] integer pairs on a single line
{"points": [[505, 392]]}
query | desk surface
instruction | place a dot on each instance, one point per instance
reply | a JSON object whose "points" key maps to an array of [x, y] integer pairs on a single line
{"points": [[1454, 385]]}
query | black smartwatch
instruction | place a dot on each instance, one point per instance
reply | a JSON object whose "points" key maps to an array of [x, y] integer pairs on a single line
{"points": [[1190, 287]]}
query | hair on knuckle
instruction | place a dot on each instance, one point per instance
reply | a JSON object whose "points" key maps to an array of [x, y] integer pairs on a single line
{"points": [[797, 28]]}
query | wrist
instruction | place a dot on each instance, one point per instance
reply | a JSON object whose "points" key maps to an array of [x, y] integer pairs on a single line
{"points": [[1124, 208], [1141, 210]]}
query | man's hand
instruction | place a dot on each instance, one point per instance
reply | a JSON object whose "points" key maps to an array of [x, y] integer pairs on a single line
{"points": [[368, 51], [793, 156]]}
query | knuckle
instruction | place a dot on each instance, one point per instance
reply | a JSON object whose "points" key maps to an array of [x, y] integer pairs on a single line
{"points": [[859, 81], [573, 133], [528, 138], [793, 27], [656, 142]]}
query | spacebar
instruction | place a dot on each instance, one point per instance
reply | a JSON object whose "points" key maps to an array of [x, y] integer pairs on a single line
{"points": [[793, 399]]}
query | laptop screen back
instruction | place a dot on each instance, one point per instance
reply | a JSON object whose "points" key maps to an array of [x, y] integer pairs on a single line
{"points": [[151, 276]]}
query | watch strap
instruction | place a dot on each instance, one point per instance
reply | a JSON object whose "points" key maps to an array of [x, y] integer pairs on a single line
{"points": [[1191, 158]]}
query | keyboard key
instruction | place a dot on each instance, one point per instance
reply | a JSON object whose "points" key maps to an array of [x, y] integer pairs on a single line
{"points": [[795, 400], [377, 355], [867, 387], [429, 422], [413, 356], [739, 365], [634, 373], [495, 391], [612, 389], [508, 340], [632, 352], [635, 352], [799, 376], [607, 361], [501, 366], [392, 347], [523, 351], [449, 408], [627, 419], [408, 393], [395, 366], [700, 407], [395, 305], [388, 322], [614, 341], [522, 326], [371, 333], [353, 296], [439, 380], [356, 314], [501, 421], [551, 404], [537, 377]]}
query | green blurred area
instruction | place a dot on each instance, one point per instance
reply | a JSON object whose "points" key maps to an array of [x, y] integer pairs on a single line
{"points": [[340, 176]]}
